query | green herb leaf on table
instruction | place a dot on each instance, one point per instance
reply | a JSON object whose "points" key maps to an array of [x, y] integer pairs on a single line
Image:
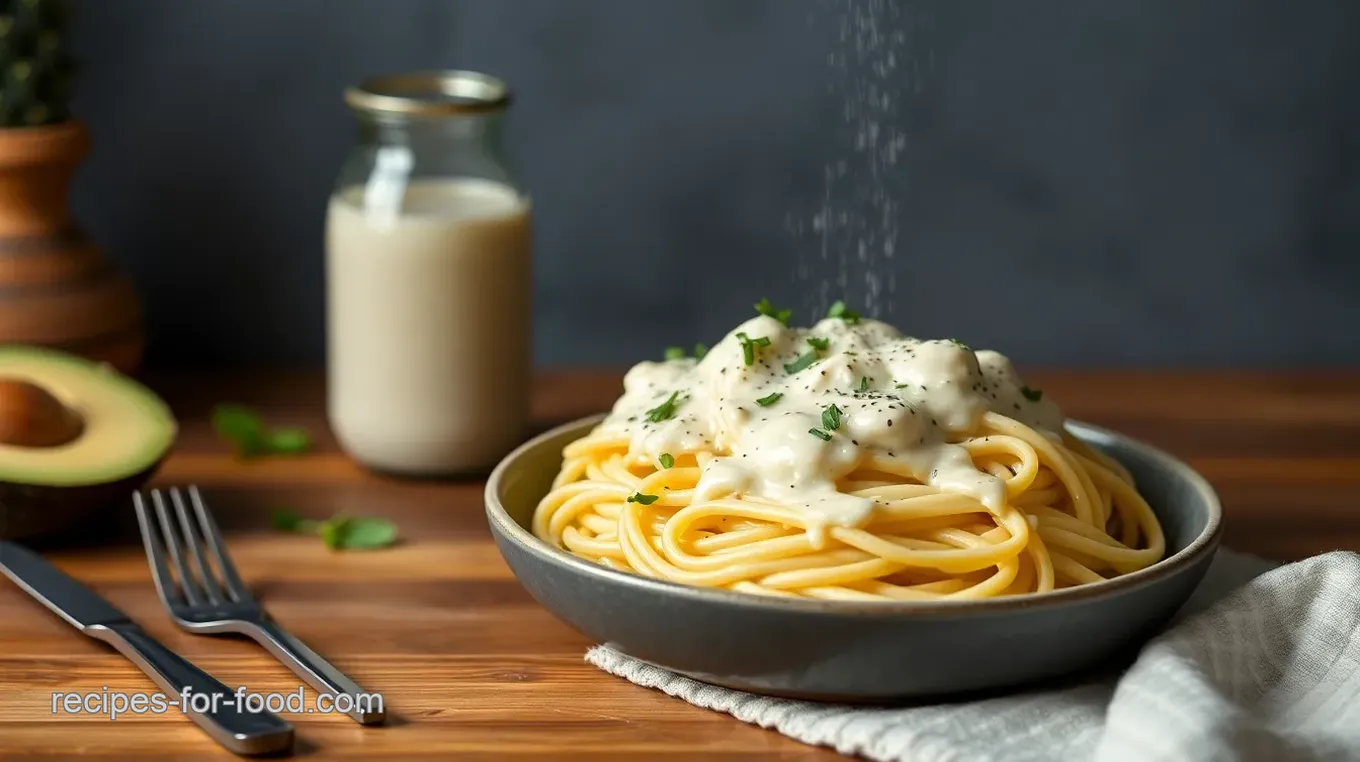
{"points": [[239, 425], [367, 534], [666, 460], [822, 435], [817, 343], [340, 532], [769, 399], [289, 440], [245, 429], [286, 521], [638, 497], [333, 532]]}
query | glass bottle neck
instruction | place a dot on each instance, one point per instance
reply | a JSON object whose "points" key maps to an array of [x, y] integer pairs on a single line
{"points": [[449, 146], [474, 131]]}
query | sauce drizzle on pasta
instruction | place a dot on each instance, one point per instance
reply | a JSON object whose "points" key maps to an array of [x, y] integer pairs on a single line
{"points": [[896, 396]]}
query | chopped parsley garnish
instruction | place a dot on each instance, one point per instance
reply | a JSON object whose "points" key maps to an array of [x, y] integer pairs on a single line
{"points": [[765, 308], [817, 343], [822, 435], [769, 399], [959, 344], [699, 351], [904, 386], [748, 346], [675, 353], [1033, 395], [665, 410], [839, 310], [831, 418], [638, 497], [803, 361], [666, 460], [864, 383]]}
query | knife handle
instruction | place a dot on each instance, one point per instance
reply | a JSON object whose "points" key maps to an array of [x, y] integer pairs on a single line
{"points": [[235, 728]]}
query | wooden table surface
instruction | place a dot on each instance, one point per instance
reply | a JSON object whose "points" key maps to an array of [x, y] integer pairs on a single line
{"points": [[469, 666]]}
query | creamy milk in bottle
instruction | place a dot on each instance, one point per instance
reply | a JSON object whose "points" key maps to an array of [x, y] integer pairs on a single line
{"points": [[428, 285]]}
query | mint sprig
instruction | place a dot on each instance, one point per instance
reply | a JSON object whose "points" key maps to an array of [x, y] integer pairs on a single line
{"points": [[340, 532], [252, 437]]}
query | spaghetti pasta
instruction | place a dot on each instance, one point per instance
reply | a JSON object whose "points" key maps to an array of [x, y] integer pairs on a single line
{"points": [[883, 468]]}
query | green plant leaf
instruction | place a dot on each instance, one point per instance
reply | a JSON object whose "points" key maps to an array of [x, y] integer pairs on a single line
{"points": [[839, 310], [286, 520], [250, 435], [340, 532], [831, 418], [240, 426], [333, 531], [368, 534], [291, 440]]}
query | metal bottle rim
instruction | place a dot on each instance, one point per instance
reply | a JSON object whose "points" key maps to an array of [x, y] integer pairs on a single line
{"points": [[430, 93]]}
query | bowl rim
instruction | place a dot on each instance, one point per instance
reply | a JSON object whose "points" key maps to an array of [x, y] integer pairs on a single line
{"points": [[1206, 542]]}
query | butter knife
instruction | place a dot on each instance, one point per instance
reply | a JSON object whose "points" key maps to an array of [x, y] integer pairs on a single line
{"points": [[235, 728]]}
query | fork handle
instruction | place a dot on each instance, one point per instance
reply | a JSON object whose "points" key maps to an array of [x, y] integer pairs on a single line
{"points": [[320, 674], [234, 727]]}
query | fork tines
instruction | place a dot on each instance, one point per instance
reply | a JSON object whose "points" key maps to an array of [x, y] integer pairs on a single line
{"points": [[208, 576]]}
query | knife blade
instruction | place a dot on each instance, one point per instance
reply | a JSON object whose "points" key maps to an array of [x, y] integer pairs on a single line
{"points": [[235, 728], [66, 597]]}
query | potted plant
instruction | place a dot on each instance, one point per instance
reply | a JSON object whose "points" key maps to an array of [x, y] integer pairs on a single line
{"points": [[56, 287]]}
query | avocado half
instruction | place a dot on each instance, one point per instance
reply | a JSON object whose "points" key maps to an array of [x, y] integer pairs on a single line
{"points": [[112, 433]]}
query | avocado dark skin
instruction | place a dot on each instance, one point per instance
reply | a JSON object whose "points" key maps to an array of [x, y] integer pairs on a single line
{"points": [[27, 510]]}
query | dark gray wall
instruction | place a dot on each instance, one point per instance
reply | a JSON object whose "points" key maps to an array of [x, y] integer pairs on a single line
{"points": [[1162, 182]]}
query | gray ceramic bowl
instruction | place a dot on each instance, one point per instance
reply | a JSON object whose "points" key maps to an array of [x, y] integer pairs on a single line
{"points": [[861, 652]]}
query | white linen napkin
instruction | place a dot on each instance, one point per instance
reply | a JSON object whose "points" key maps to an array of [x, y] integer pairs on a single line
{"points": [[1262, 664]]}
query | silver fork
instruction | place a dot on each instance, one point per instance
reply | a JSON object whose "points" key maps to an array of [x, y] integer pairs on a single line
{"points": [[212, 601]]}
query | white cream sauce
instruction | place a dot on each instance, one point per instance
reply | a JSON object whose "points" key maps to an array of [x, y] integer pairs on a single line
{"points": [[897, 395]]}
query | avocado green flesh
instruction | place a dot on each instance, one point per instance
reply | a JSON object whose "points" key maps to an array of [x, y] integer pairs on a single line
{"points": [[127, 428]]}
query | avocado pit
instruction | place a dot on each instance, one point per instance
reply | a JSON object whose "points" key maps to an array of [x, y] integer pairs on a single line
{"points": [[30, 416]]}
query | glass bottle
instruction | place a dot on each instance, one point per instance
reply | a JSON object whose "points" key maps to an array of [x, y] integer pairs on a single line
{"points": [[428, 279]]}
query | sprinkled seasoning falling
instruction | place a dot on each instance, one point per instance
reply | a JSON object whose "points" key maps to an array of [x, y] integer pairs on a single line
{"points": [[880, 55]]}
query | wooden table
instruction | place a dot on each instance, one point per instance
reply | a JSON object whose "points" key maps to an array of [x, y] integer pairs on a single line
{"points": [[469, 665]]}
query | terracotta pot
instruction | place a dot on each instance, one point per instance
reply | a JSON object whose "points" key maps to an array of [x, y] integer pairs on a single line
{"points": [[56, 287]]}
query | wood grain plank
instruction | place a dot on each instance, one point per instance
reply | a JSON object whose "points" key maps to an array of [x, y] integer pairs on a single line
{"points": [[471, 667]]}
